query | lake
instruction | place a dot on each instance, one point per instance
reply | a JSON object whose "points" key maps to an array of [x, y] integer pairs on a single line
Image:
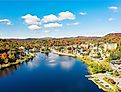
{"points": [[47, 73]]}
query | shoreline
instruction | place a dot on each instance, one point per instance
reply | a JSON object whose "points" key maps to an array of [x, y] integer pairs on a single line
{"points": [[86, 61], [18, 61], [91, 77]]}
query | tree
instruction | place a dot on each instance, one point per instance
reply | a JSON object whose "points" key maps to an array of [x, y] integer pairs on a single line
{"points": [[11, 58]]}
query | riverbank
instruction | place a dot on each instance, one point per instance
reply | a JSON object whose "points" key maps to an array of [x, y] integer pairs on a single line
{"points": [[80, 57], [47, 74], [99, 80], [64, 54], [101, 83], [18, 61]]}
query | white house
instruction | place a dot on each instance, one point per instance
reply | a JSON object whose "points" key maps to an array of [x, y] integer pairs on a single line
{"points": [[110, 46], [85, 45]]}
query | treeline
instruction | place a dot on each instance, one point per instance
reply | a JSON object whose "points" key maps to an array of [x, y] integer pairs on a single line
{"points": [[14, 43]]}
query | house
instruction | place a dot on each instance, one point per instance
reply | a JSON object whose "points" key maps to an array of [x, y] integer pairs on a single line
{"points": [[33, 49], [85, 45], [116, 65], [75, 46], [95, 55], [81, 51], [26, 51], [110, 46], [21, 48]]}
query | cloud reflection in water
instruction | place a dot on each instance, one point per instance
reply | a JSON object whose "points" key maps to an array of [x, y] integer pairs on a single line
{"points": [[67, 65], [34, 63], [52, 60]]}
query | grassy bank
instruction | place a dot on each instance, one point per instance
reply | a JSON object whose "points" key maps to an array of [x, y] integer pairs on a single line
{"points": [[89, 62]]}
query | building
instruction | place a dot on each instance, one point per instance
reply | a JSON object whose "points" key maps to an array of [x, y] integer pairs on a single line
{"points": [[85, 45], [110, 46], [116, 65]]}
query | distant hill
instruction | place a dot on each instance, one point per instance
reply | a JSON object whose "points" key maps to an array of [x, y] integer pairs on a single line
{"points": [[112, 37]]}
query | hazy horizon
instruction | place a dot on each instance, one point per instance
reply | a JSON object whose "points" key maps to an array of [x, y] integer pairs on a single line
{"points": [[52, 37]]}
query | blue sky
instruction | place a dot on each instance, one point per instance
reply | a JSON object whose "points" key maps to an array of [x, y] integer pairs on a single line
{"points": [[59, 18]]}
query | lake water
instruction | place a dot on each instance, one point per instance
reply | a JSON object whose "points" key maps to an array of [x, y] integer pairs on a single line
{"points": [[52, 73]]}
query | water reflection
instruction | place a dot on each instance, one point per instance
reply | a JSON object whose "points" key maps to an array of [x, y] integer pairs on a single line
{"points": [[52, 60], [5, 72], [52, 65], [34, 63], [52, 56], [9, 70], [53, 73], [47, 53], [67, 65], [66, 62]]}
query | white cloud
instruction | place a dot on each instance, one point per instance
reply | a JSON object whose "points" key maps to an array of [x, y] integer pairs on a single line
{"points": [[49, 18], [111, 19], [73, 24], [52, 25], [83, 13], [34, 27], [61, 16], [5, 21], [66, 15], [34, 22], [31, 20], [113, 8]]}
